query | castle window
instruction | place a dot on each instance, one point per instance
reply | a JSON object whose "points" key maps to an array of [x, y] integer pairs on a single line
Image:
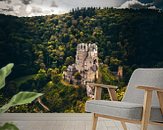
{"points": [[95, 61]]}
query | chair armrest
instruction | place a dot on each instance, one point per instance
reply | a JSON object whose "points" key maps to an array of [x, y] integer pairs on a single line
{"points": [[98, 89], [103, 86], [147, 88]]}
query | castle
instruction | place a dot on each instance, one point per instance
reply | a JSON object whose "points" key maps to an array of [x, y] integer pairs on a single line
{"points": [[86, 65]]}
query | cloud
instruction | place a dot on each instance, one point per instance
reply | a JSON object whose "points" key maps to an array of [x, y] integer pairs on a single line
{"points": [[26, 2], [8, 1], [135, 4], [47, 7], [8, 9], [33, 9], [53, 4], [36, 10]]}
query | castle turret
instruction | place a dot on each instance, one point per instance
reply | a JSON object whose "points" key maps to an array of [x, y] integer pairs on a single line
{"points": [[81, 54]]}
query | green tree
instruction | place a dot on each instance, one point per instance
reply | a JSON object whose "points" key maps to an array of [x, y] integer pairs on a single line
{"points": [[69, 60]]}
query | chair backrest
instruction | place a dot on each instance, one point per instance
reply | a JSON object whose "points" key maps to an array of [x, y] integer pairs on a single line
{"points": [[146, 77]]}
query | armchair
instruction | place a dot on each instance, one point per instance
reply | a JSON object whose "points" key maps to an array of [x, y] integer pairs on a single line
{"points": [[142, 103]]}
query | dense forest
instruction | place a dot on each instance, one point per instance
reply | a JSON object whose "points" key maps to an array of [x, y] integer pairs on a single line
{"points": [[42, 47]]}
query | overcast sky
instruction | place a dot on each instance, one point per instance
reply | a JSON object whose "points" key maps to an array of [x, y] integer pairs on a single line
{"points": [[45, 7]]}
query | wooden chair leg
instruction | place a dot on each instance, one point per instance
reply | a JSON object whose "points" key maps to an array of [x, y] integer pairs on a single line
{"points": [[94, 123], [146, 110], [124, 125], [160, 98], [144, 126]]}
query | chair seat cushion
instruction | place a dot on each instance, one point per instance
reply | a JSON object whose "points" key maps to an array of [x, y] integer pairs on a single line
{"points": [[131, 111]]}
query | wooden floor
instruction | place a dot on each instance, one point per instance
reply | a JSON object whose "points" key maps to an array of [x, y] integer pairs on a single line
{"points": [[63, 121], [57, 121]]}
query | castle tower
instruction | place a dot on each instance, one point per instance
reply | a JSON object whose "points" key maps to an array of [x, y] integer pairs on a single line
{"points": [[120, 72], [81, 54], [87, 61]]}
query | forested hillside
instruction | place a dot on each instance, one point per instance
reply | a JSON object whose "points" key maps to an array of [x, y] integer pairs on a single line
{"points": [[42, 47]]}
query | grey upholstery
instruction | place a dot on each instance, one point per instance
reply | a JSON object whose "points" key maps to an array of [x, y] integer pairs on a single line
{"points": [[132, 111], [131, 105]]}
